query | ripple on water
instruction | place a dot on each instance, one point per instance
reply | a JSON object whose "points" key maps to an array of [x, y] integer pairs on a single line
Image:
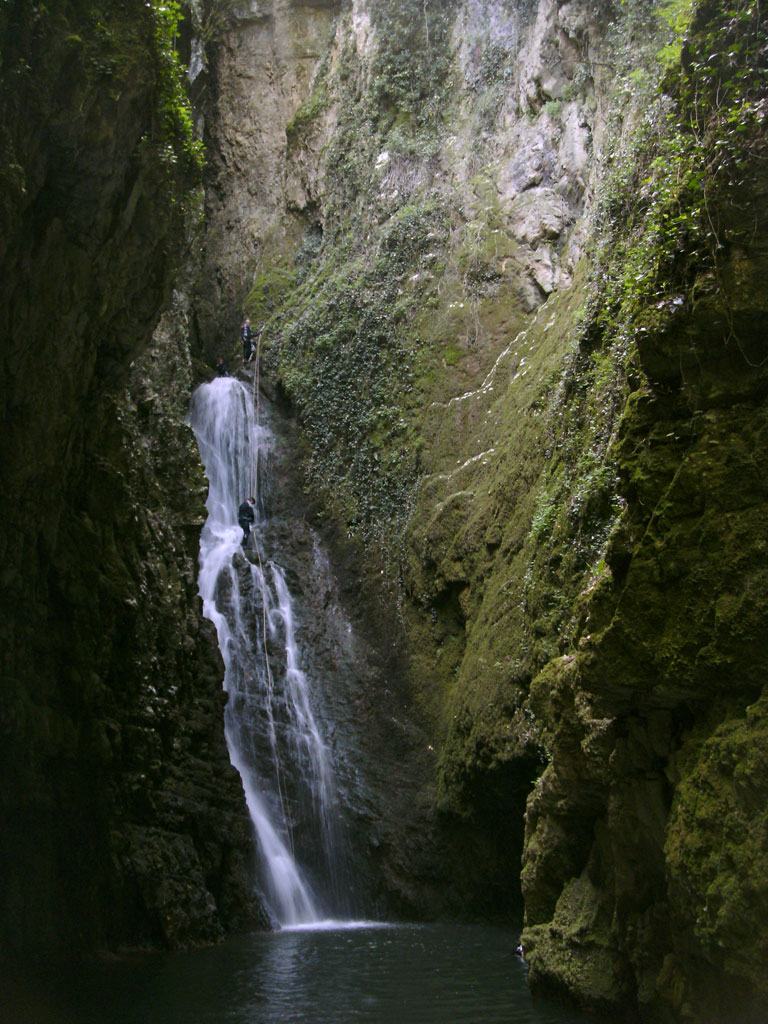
{"points": [[334, 973]]}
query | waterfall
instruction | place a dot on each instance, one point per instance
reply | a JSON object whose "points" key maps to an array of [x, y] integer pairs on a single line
{"points": [[272, 733]]}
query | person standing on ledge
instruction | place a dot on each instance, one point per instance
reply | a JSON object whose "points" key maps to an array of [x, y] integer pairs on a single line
{"points": [[246, 517], [246, 336]]}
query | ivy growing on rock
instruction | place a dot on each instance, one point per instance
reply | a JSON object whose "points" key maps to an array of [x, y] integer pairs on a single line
{"points": [[412, 71], [693, 149], [176, 125]]}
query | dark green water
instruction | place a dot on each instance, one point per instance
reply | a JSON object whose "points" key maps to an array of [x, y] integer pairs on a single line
{"points": [[431, 974]]}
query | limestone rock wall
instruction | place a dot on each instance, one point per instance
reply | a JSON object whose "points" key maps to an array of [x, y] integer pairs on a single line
{"points": [[509, 257], [123, 823], [261, 71], [395, 235], [511, 295]]}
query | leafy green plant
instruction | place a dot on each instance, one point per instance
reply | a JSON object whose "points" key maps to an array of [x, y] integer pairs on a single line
{"points": [[692, 148], [544, 518], [412, 67], [177, 127]]}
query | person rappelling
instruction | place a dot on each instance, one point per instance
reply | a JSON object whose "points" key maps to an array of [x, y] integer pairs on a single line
{"points": [[246, 518], [246, 336]]}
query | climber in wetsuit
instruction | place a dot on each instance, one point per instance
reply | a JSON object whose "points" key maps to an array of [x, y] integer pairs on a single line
{"points": [[246, 335], [246, 517], [221, 368]]}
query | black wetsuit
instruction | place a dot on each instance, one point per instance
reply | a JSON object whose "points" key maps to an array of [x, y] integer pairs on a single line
{"points": [[246, 335], [245, 517]]}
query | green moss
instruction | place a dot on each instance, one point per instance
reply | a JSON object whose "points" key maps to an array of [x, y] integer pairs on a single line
{"points": [[412, 68], [309, 112], [658, 234], [269, 291], [452, 354], [341, 361], [717, 845]]}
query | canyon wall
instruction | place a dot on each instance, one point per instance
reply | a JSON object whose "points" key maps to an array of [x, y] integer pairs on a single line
{"points": [[123, 822], [507, 259]]}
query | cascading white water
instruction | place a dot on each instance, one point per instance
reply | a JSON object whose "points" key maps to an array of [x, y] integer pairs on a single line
{"points": [[272, 733]]}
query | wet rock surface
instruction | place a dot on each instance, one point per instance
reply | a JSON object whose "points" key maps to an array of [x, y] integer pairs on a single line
{"points": [[123, 822], [575, 442], [519, 483], [351, 648]]}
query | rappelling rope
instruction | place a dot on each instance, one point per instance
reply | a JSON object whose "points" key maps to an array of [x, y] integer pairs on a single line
{"points": [[256, 398], [279, 773]]}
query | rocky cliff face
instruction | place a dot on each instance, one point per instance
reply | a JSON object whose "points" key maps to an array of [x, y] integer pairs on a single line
{"points": [[123, 823], [507, 257]]}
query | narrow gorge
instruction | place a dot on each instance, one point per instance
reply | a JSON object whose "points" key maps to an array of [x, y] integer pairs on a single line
{"points": [[507, 592]]}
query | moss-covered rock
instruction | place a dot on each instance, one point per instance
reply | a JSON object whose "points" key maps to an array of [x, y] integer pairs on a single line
{"points": [[510, 260], [124, 823], [521, 332], [715, 853]]}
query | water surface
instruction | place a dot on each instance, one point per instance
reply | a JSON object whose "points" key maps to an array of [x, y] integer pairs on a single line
{"points": [[421, 974]]}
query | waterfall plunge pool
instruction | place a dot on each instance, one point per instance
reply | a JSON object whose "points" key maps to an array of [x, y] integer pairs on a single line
{"points": [[314, 972], [349, 974]]}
